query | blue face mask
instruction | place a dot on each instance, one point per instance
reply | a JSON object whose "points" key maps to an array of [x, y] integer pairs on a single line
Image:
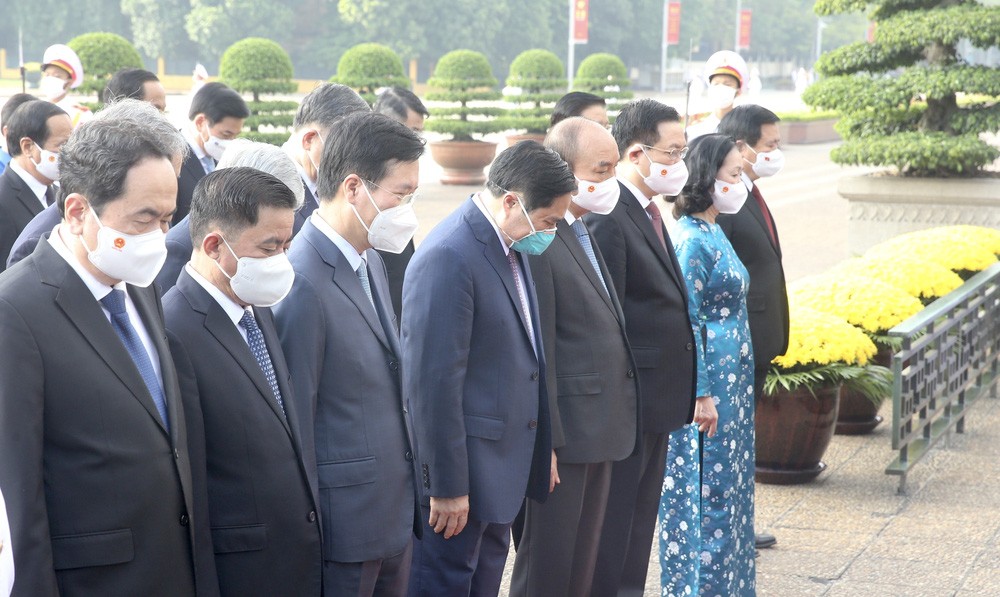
{"points": [[536, 241]]}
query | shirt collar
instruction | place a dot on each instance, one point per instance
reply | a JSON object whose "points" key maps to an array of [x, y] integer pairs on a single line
{"points": [[310, 183], [569, 217], [639, 195], [233, 309], [198, 151], [354, 258], [59, 243], [746, 180], [481, 204], [36, 187]]}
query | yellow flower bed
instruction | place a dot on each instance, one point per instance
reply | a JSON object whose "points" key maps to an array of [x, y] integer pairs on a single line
{"points": [[920, 279], [872, 305], [816, 339], [958, 248]]}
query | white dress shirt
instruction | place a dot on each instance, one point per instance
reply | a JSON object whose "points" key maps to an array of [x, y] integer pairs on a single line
{"points": [[233, 309], [36, 187], [354, 258], [6, 553]]}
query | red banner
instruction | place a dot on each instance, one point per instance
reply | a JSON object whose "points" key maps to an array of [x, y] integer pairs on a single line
{"points": [[744, 29], [674, 23], [581, 9]]}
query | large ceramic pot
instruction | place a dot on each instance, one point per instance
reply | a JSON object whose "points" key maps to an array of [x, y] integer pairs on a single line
{"points": [[515, 139], [793, 431], [463, 161], [858, 414]]}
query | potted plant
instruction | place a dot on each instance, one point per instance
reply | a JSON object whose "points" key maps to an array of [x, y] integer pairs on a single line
{"points": [[923, 280], [808, 126], [259, 66], [464, 78], [912, 101], [538, 77], [368, 67], [964, 250], [102, 55], [794, 420], [604, 75]]}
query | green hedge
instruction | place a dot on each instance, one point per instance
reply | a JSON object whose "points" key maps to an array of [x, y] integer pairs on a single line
{"points": [[598, 71], [462, 76], [257, 65], [369, 66], [102, 55]]}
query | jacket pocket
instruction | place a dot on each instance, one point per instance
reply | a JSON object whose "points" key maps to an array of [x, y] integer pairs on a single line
{"points": [[242, 538], [484, 427], [646, 358], [346, 473], [92, 549], [579, 385]]}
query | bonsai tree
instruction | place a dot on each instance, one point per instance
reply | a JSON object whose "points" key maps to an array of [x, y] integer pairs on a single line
{"points": [[900, 95], [257, 65], [464, 76], [102, 55], [539, 75], [368, 67], [604, 75]]}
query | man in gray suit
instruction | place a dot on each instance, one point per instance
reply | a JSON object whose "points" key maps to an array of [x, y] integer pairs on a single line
{"points": [[591, 378], [338, 333]]}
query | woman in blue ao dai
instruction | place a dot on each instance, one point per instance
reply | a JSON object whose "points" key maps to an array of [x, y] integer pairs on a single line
{"points": [[706, 511]]}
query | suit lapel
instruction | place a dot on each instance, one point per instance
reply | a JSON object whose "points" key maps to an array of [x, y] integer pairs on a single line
{"points": [[758, 214], [192, 168], [642, 221], [380, 293], [25, 196], [567, 236]]}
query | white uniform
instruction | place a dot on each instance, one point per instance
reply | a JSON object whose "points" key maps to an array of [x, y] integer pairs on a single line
{"points": [[6, 553]]}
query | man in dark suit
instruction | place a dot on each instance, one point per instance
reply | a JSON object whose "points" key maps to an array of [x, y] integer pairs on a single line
{"points": [[234, 379], [339, 336], [754, 236], [475, 370], [35, 134], [93, 442], [217, 114], [322, 107], [648, 280], [590, 375]]}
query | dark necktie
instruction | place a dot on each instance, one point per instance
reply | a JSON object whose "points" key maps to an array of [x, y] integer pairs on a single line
{"points": [[657, 220], [50, 195], [767, 215], [259, 349], [114, 302], [584, 237], [514, 269]]}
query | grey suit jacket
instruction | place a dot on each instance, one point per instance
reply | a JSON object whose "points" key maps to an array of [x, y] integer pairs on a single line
{"points": [[179, 248], [18, 205], [592, 381], [344, 359], [99, 494], [38, 228]]}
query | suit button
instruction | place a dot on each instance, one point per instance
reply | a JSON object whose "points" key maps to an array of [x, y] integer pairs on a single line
{"points": [[408, 456], [534, 375], [312, 516], [177, 455], [630, 373], [184, 520], [689, 346], [394, 365], [532, 424]]}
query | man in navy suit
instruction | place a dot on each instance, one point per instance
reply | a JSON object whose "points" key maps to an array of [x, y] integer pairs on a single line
{"points": [[339, 336], [244, 431], [475, 370]]}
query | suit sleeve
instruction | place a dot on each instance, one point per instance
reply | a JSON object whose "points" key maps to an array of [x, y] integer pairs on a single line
{"points": [[437, 333], [611, 240], [22, 437], [697, 263], [543, 277]]}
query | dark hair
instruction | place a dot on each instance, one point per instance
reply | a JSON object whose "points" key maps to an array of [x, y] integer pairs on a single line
{"points": [[128, 82], [30, 120], [534, 172], [327, 104], [231, 198], [572, 104], [743, 123], [15, 102], [705, 156], [638, 121], [216, 102], [395, 101], [366, 144]]}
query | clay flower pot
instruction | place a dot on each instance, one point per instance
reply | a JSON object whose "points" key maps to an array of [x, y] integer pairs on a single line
{"points": [[463, 161], [858, 413], [793, 432]]}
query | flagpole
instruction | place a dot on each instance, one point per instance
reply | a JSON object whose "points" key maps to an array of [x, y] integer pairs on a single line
{"points": [[20, 59], [572, 50]]}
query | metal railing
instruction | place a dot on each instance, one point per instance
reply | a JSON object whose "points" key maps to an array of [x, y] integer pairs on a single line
{"points": [[950, 357]]}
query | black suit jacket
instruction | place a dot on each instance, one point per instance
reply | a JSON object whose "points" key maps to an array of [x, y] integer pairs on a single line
{"points": [[651, 289], [767, 300], [18, 205], [99, 494], [591, 377], [265, 530], [38, 228], [179, 248], [309, 205], [191, 172]]}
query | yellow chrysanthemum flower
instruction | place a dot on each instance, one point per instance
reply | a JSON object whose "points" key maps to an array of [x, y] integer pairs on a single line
{"points": [[920, 279], [870, 304], [816, 338], [954, 247]]}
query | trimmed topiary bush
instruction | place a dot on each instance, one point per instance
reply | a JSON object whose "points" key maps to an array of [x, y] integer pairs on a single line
{"points": [[540, 76], [102, 55], [257, 65], [899, 96], [463, 77], [604, 75], [368, 67]]}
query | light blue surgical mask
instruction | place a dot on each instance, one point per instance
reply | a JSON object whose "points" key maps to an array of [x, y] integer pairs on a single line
{"points": [[536, 241]]}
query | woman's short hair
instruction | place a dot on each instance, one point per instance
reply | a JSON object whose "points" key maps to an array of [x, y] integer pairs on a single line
{"points": [[705, 156]]}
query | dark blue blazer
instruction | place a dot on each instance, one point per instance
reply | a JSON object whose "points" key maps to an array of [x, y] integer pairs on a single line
{"points": [[475, 382], [309, 205], [344, 359], [179, 248], [39, 227]]}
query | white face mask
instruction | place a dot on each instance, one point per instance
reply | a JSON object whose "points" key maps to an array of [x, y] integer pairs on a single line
{"points": [[597, 197], [215, 146], [51, 87], [260, 281], [392, 229], [768, 163], [729, 197], [663, 179], [48, 164], [131, 258], [721, 96]]}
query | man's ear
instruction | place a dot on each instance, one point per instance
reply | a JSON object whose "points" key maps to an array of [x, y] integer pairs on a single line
{"points": [[26, 143], [633, 153], [74, 212], [211, 245], [352, 188]]}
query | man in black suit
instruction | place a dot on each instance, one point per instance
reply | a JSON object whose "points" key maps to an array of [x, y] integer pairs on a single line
{"points": [[93, 442], [754, 236], [35, 134], [322, 107], [592, 386], [650, 286], [262, 503], [217, 114]]}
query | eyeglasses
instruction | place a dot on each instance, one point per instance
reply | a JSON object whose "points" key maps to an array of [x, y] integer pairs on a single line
{"points": [[403, 199], [673, 154]]}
